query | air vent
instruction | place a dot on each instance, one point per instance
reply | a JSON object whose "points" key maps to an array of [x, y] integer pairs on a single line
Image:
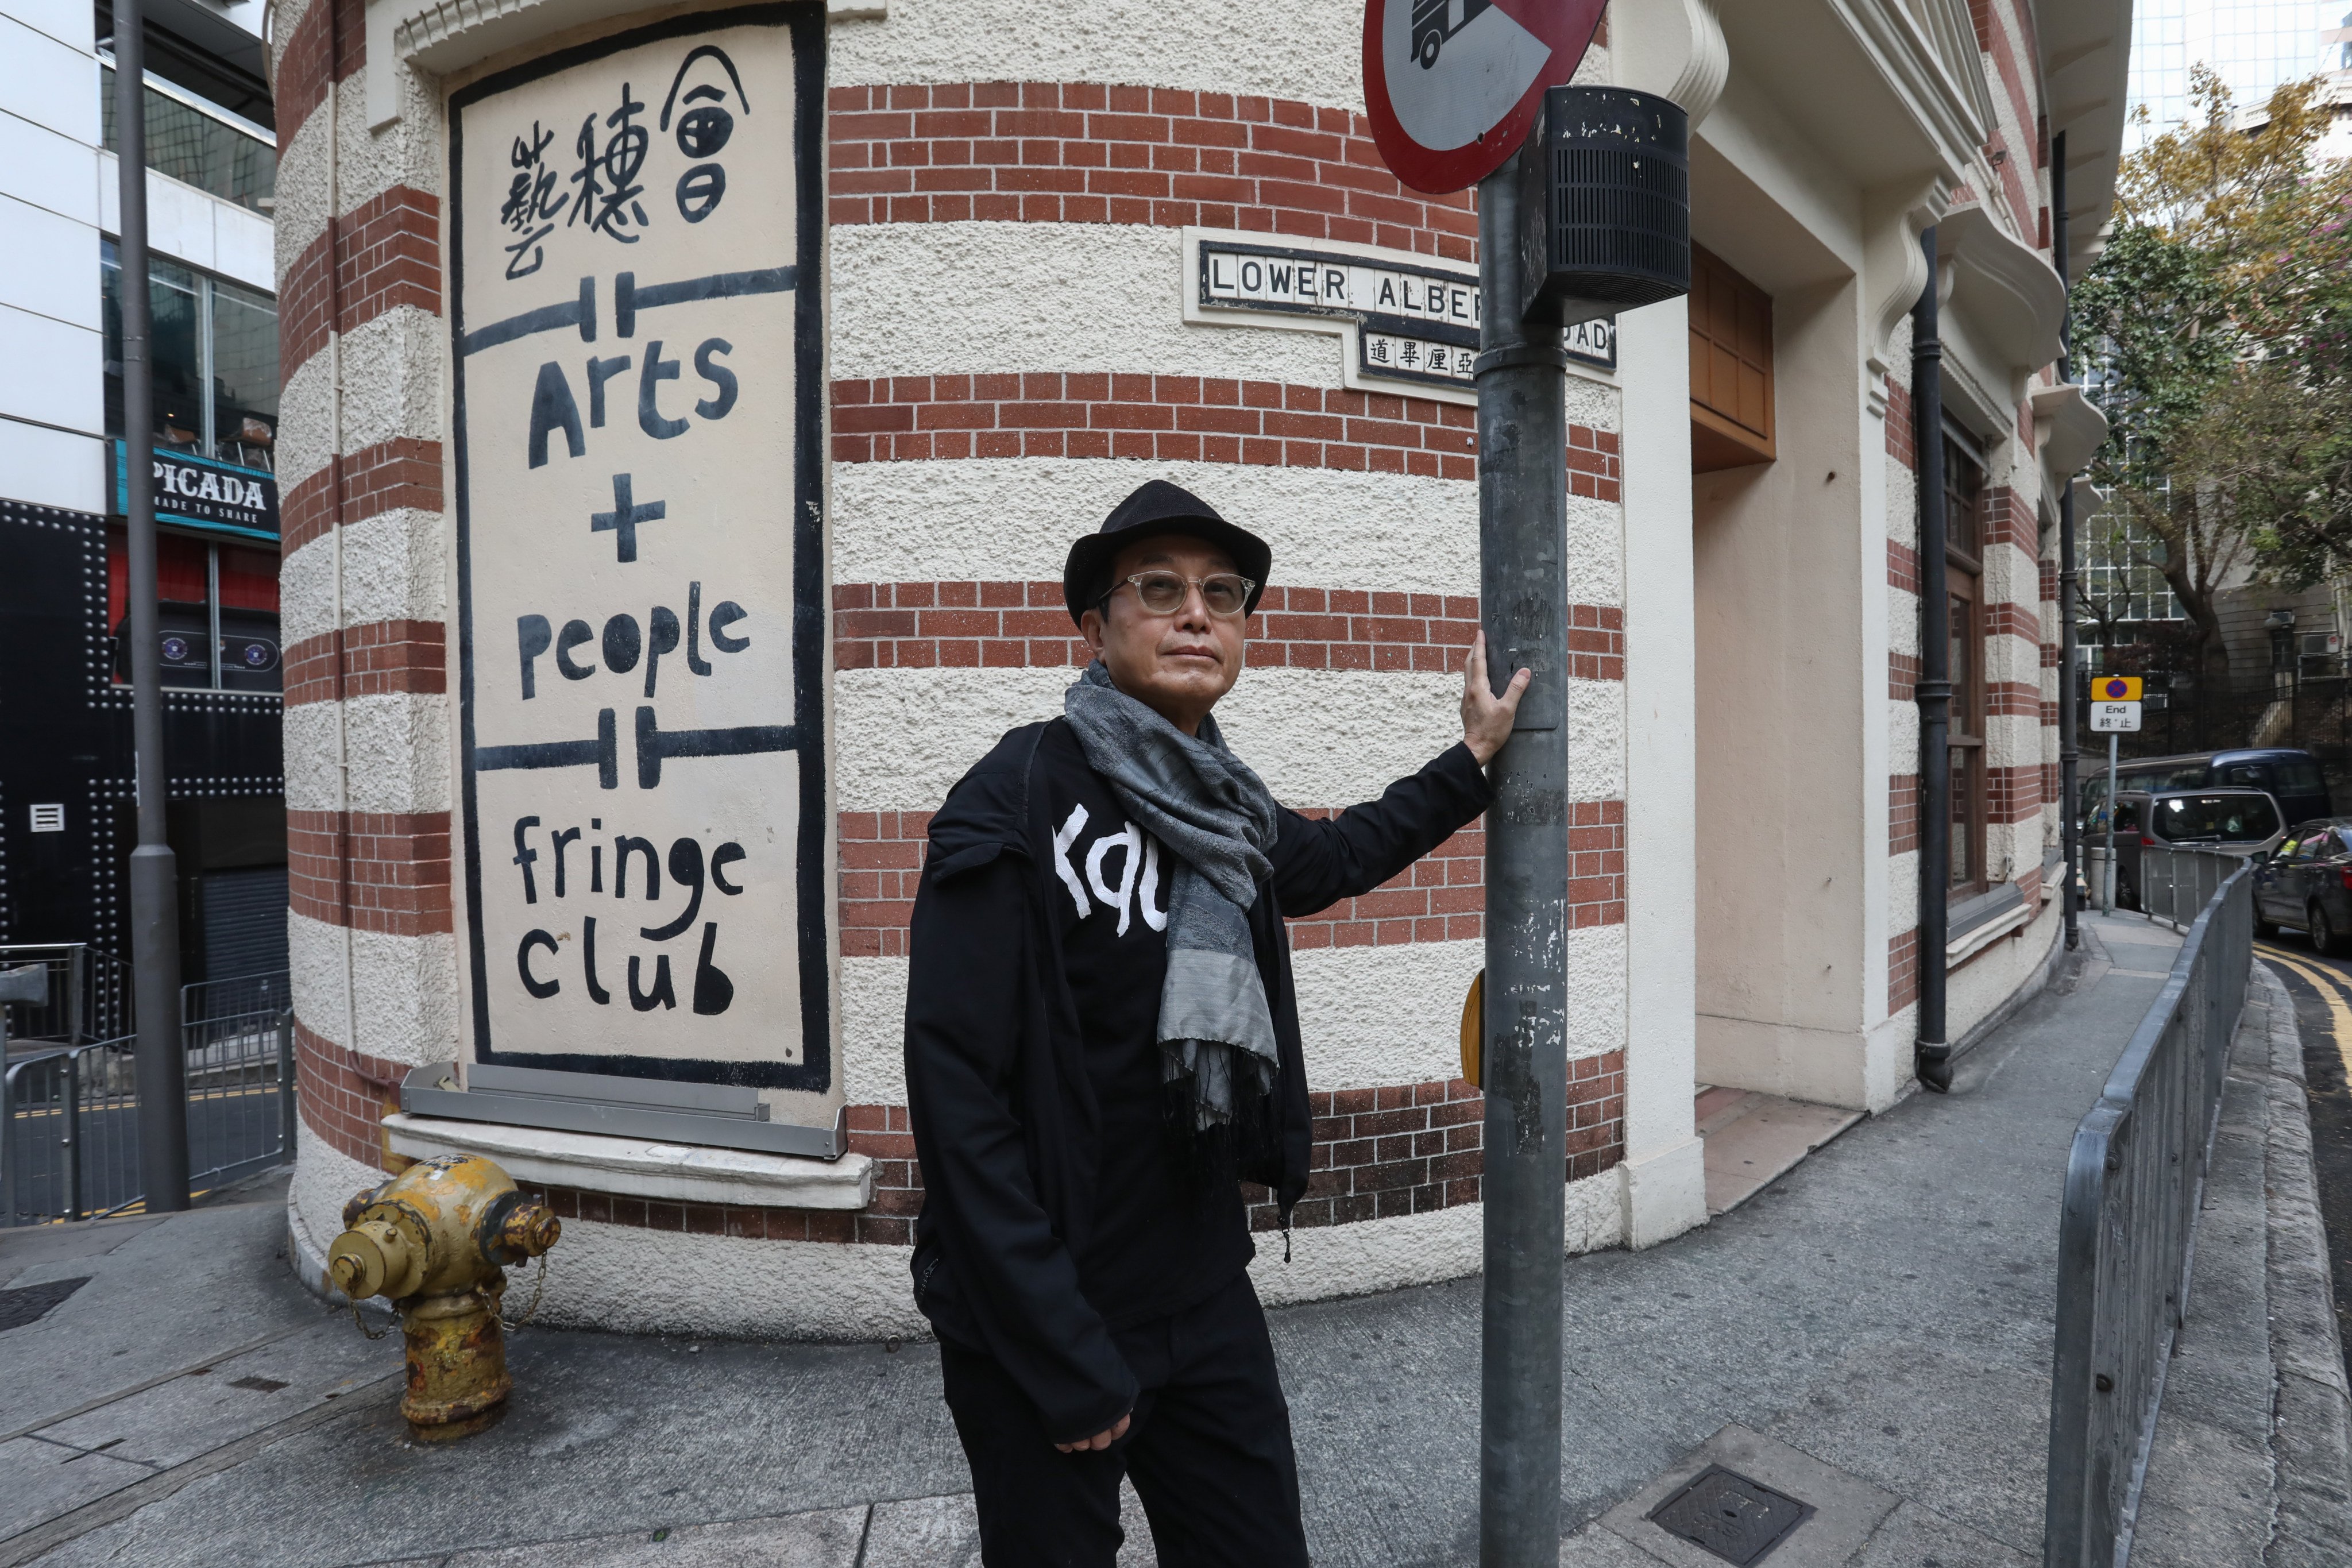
{"points": [[49, 818], [1604, 204]]}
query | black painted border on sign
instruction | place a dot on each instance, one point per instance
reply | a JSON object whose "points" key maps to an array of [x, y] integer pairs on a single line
{"points": [[813, 1072]]}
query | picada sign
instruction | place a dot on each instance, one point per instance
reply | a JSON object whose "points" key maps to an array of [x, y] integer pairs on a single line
{"points": [[1453, 86]]}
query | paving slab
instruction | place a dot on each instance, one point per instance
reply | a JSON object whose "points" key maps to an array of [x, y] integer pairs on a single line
{"points": [[1762, 1139], [1915, 1537], [208, 1406], [168, 1296], [1847, 1510], [816, 1540], [41, 1481]]}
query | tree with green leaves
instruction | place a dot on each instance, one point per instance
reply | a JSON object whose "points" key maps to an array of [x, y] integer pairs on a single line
{"points": [[2215, 328]]}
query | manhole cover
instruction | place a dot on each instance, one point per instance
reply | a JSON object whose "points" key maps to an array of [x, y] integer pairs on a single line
{"points": [[31, 1303], [1723, 1512]]}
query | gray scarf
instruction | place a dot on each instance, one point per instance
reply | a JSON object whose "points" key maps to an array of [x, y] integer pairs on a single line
{"points": [[1213, 814]]}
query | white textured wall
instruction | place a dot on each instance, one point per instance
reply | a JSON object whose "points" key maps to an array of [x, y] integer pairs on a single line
{"points": [[1308, 52], [994, 518], [395, 566], [1319, 737], [406, 990]]}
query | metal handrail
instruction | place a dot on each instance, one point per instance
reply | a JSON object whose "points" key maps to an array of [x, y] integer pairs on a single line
{"points": [[2134, 1177]]}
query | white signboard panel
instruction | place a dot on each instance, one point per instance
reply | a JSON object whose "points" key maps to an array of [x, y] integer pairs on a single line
{"points": [[635, 308], [1411, 320], [2120, 717]]}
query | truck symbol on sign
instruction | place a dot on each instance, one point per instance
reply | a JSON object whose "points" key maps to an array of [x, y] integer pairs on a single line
{"points": [[1434, 21]]}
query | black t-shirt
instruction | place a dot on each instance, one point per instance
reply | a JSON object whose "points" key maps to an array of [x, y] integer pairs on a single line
{"points": [[1165, 1234]]}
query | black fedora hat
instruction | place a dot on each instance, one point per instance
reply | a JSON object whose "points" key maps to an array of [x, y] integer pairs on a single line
{"points": [[1154, 508]]}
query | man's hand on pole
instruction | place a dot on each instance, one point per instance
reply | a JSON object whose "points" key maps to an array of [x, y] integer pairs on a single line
{"points": [[1101, 1440], [1487, 717]]}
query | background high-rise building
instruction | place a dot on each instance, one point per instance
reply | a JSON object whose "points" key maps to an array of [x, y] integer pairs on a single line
{"points": [[2253, 45]]}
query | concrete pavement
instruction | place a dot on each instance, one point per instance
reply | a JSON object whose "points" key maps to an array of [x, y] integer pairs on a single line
{"points": [[1870, 1332]]}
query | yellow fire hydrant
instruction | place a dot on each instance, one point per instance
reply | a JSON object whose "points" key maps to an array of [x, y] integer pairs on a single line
{"points": [[435, 1240]]}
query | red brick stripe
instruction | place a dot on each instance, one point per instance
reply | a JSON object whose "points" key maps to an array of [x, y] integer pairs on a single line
{"points": [[1439, 898], [1079, 153], [1902, 567], [1901, 676], [1164, 418], [399, 869], [2013, 700], [388, 254], [1902, 970], [303, 66], [401, 472], [380, 657], [1902, 814], [1902, 432], [344, 1096], [1015, 625], [2013, 794], [1378, 1153]]}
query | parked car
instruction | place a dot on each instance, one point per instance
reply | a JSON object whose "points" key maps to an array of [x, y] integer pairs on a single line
{"points": [[2306, 885], [2290, 777], [2233, 821]]}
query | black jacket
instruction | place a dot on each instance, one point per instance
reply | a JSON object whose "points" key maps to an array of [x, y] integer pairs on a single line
{"points": [[1004, 1116]]}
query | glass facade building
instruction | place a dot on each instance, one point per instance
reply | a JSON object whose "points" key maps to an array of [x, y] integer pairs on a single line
{"points": [[2252, 46]]}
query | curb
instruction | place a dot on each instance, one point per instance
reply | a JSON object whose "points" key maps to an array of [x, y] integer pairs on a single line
{"points": [[2311, 1415]]}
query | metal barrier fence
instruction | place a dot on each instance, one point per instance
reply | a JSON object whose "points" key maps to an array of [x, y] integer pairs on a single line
{"points": [[2175, 885], [239, 1037], [89, 995], [2126, 1241], [69, 1120]]}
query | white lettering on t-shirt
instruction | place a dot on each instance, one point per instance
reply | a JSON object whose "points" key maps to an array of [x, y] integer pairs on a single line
{"points": [[1128, 838], [1063, 836], [1149, 889]]}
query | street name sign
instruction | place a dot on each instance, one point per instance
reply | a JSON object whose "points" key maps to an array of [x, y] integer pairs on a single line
{"points": [[1453, 87], [1411, 320], [642, 835], [2117, 718]]}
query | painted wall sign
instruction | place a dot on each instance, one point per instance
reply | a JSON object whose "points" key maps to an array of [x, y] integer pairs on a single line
{"points": [[645, 798], [1411, 321], [205, 493]]}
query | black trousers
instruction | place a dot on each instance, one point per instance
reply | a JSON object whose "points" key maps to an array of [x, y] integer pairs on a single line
{"points": [[1208, 1448]]}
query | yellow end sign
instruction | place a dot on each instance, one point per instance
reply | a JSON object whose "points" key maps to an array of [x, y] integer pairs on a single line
{"points": [[1474, 1026], [2114, 689]]}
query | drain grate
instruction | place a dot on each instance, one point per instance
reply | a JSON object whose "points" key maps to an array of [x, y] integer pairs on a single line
{"points": [[1726, 1514]]}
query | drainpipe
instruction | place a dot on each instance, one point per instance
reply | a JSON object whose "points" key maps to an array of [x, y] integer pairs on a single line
{"points": [[1932, 1052], [2069, 752]]}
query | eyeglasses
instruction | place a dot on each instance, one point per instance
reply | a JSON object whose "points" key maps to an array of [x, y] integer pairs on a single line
{"points": [[1226, 593]]}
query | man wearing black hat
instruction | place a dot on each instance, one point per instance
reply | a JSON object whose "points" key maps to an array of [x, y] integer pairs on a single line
{"points": [[1102, 1040]]}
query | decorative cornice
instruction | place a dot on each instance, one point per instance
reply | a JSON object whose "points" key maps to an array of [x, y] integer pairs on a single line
{"points": [[1895, 268], [1674, 48], [1930, 58], [444, 36]]}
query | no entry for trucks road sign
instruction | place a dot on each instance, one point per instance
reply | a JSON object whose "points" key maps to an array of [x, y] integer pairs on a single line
{"points": [[1453, 86]]}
